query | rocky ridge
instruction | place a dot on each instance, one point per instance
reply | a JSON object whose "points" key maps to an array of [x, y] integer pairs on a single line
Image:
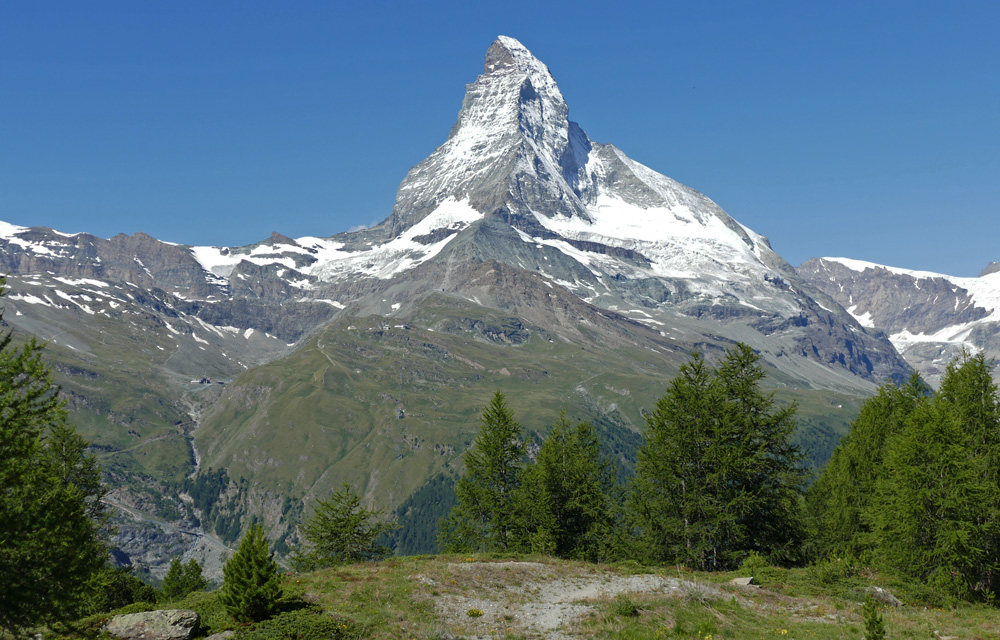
{"points": [[930, 317]]}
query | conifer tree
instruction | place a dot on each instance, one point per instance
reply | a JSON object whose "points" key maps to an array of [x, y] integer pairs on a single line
{"points": [[573, 495], [182, 579], [51, 517], [924, 515], [717, 476], [341, 530], [485, 516], [252, 587], [843, 492]]}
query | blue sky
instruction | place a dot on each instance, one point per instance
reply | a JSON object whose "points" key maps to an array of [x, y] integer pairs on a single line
{"points": [[869, 130]]}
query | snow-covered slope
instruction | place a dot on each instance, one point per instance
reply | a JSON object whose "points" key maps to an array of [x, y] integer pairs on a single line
{"points": [[930, 317]]}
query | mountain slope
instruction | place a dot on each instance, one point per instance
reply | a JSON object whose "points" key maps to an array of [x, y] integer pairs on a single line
{"points": [[931, 317]]}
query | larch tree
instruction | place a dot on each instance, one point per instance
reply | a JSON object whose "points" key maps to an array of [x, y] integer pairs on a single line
{"points": [[342, 530], [573, 493], [485, 515], [717, 476]]}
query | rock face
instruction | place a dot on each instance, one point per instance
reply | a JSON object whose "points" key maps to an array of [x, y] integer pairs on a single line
{"points": [[170, 624], [930, 317]]}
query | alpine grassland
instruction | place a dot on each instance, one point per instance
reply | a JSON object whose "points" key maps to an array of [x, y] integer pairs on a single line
{"points": [[531, 596]]}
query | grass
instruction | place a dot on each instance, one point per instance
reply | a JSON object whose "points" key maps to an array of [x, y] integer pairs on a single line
{"points": [[503, 596]]}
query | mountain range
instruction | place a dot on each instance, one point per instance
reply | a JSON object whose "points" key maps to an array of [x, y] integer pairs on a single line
{"points": [[222, 384]]}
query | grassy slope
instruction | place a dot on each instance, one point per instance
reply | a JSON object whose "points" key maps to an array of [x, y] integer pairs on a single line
{"points": [[431, 597], [329, 412]]}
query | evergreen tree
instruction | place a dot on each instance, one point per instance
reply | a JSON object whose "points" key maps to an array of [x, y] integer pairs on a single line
{"points": [[116, 587], [717, 476], [924, 515], [341, 531], [182, 579], [764, 479], [572, 492], [844, 490], [485, 516], [252, 587], [969, 394], [51, 517]]}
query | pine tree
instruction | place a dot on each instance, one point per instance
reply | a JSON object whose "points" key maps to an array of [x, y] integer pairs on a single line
{"points": [[485, 516], [572, 491], [718, 476], [252, 587], [341, 531], [182, 579], [52, 538]]}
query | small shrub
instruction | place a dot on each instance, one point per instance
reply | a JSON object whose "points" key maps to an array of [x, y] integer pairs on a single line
{"points": [[753, 564], [697, 592], [301, 624], [624, 607], [135, 607], [874, 626]]}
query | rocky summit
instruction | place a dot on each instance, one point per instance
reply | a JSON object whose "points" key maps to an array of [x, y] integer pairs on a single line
{"points": [[220, 384]]}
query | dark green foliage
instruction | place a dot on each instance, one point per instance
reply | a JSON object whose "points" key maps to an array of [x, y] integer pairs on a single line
{"points": [[839, 497], [717, 477], [874, 626], [569, 497], [51, 516], [341, 530], [485, 515], [252, 587], [205, 489], [182, 579], [301, 624], [418, 516], [915, 484], [116, 587], [924, 513]]}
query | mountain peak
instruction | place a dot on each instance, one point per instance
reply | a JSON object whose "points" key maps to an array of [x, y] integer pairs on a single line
{"points": [[506, 52]]}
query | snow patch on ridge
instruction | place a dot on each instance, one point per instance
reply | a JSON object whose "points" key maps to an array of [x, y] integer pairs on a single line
{"points": [[984, 290]]}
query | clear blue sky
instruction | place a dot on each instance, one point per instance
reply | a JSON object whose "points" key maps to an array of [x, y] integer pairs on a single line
{"points": [[862, 129]]}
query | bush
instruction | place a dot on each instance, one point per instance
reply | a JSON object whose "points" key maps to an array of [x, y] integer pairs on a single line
{"points": [[252, 587], [753, 564], [301, 624], [117, 587]]}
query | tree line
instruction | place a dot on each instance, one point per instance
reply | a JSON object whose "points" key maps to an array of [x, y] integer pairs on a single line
{"points": [[716, 479]]}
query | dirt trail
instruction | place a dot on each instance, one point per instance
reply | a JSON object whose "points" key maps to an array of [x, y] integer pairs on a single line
{"points": [[530, 598]]}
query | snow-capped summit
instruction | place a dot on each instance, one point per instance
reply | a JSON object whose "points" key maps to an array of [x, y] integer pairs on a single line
{"points": [[512, 140]]}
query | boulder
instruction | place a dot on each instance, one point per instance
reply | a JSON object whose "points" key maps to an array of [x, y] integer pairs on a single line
{"points": [[879, 594], [744, 582], [171, 624]]}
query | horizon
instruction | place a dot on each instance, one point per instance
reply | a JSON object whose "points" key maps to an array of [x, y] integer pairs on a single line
{"points": [[867, 132]]}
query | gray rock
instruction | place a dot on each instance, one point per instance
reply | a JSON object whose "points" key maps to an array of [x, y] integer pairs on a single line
{"points": [[744, 582], [169, 624], [881, 595], [222, 635]]}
